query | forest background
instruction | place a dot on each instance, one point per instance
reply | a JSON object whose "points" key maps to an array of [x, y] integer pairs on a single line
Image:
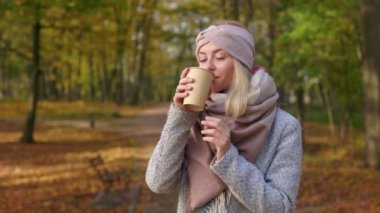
{"points": [[83, 61]]}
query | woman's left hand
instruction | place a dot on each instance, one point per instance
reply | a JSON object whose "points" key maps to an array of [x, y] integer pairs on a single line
{"points": [[215, 131]]}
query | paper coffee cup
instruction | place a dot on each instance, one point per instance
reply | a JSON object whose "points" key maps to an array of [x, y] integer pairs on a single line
{"points": [[197, 97]]}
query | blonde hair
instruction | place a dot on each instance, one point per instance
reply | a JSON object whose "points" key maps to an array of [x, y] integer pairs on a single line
{"points": [[237, 97]]}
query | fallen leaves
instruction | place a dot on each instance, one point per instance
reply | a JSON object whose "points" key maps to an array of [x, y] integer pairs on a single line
{"points": [[54, 175]]}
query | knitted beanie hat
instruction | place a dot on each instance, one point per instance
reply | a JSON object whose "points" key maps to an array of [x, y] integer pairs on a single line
{"points": [[236, 41]]}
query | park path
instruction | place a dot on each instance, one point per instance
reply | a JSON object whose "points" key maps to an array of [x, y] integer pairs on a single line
{"points": [[147, 124], [139, 133], [145, 127], [56, 174]]}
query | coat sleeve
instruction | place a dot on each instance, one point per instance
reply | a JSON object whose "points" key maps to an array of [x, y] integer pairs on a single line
{"points": [[275, 191], [164, 166]]}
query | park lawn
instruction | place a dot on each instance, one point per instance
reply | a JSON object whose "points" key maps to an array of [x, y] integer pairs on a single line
{"points": [[55, 174]]}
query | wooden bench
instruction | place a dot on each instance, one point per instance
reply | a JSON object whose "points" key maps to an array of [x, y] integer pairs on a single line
{"points": [[109, 179], [117, 189]]}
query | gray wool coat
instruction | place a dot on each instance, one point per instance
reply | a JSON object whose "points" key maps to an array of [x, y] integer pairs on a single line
{"points": [[270, 184]]}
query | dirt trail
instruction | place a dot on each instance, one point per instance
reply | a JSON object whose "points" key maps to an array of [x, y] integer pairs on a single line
{"points": [[148, 124], [145, 125], [145, 128]]}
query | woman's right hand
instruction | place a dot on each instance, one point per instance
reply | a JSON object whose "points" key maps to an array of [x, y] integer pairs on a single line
{"points": [[182, 89]]}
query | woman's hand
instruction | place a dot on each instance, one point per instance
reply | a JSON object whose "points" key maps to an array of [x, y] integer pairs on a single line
{"points": [[215, 131], [182, 89]]}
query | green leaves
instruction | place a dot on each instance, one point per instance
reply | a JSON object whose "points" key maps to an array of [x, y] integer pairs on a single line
{"points": [[301, 42]]}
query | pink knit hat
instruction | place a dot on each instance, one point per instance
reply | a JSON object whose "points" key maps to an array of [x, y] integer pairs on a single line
{"points": [[236, 41]]}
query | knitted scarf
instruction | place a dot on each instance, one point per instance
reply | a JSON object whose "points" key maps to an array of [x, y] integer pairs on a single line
{"points": [[249, 133]]}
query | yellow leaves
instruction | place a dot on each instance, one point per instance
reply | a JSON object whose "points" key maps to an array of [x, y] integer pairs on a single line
{"points": [[338, 188], [61, 132], [12, 109], [66, 110], [114, 154], [9, 136], [54, 12], [55, 175], [334, 178]]}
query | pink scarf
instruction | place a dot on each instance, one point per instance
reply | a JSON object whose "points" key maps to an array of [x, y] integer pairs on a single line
{"points": [[249, 133]]}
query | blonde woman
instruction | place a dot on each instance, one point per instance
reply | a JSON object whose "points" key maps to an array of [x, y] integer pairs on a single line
{"points": [[242, 153]]}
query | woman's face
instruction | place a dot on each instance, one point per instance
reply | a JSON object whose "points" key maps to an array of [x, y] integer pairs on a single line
{"points": [[220, 63]]}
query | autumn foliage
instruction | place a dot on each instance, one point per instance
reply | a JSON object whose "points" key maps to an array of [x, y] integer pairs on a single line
{"points": [[56, 174]]}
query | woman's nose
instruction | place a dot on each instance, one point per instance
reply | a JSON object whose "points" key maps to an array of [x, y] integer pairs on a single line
{"points": [[209, 65]]}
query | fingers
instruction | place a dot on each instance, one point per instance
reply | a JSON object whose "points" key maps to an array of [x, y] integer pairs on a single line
{"points": [[214, 128], [213, 133], [186, 80], [217, 123], [180, 95], [209, 139], [210, 132], [217, 132], [183, 88], [185, 72]]}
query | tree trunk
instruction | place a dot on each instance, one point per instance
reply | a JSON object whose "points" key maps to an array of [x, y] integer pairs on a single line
{"points": [[91, 73], [42, 86], [27, 136], [272, 34], [131, 80], [223, 8], [120, 74], [78, 83], [145, 45], [140, 74], [328, 106], [70, 80], [235, 9], [249, 13], [3, 71], [119, 92], [54, 91], [6, 82], [300, 103], [106, 80], [125, 14], [99, 81], [344, 128], [371, 79]]}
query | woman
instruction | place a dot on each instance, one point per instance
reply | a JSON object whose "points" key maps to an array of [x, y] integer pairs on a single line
{"points": [[242, 153]]}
